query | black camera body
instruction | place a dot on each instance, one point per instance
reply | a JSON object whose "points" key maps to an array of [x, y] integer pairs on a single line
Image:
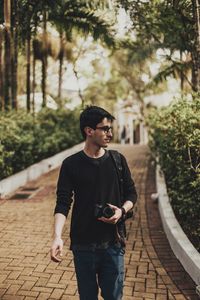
{"points": [[103, 211]]}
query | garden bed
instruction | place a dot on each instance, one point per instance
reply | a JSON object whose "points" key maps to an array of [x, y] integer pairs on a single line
{"points": [[175, 139]]}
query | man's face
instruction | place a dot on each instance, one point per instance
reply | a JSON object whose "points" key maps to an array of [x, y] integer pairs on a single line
{"points": [[102, 135]]}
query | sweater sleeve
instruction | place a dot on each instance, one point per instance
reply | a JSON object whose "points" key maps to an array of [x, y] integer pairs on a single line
{"points": [[129, 189], [64, 190]]}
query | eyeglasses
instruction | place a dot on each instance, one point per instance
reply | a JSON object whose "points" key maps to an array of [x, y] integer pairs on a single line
{"points": [[106, 129]]}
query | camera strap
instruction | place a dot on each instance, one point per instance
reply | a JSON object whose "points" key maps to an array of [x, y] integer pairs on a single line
{"points": [[120, 227], [115, 155]]}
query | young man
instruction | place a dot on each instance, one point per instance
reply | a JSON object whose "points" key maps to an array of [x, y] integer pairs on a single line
{"points": [[90, 178]]}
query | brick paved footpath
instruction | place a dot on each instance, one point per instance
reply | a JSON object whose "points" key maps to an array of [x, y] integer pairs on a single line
{"points": [[26, 272]]}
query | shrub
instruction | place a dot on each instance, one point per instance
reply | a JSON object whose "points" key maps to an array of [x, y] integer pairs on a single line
{"points": [[25, 139], [175, 138]]}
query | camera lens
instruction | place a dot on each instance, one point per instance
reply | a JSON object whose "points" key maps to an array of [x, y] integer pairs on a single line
{"points": [[108, 212]]}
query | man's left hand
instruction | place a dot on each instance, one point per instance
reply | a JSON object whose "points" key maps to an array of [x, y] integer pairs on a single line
{"points": [[115, 218]]}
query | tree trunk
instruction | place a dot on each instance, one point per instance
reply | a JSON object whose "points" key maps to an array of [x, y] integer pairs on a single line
{"points": [[44, 79], [79, 89], [34, 68], [61, 56], [14, 55], [182, 74], [33, 84], [7, 56], [196, 51], [1, 70], [44, 60], [28, 72]]}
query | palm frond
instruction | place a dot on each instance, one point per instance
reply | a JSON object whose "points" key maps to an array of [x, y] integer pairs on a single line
{"points": [[175, 69], [85, 21]]}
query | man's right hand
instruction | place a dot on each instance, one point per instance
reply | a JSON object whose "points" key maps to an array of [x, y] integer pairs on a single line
{"points": [[56, 249]]}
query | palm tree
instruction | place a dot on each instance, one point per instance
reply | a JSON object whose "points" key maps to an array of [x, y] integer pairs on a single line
{"points": [[196, 52], [7, 54], [25, 15], [66, 15], [1, 69], [79, 16], [44, 58], [61, 59], [14, 51]]}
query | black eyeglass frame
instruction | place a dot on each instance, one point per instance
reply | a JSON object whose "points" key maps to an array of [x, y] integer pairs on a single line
{"points": [[106, 129]]}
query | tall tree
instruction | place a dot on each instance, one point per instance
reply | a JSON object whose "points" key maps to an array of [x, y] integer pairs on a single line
{"points": [[44, 58], [7, 54], [20, 28], [1, 69], [25, 16], [196, 52], [171, 24], [80, 16], [14, 52]]}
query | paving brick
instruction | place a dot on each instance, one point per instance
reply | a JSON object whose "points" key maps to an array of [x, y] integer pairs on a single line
{"points": [[41, 274], [3, 277], [5, 285], [28, 285], [41, 281], [57, 294], [42, 289], [161, 271], [27, 271], [56, 285], [144, 295], [28, 278], [55, 278], [179, 297], [28, 293], [65, 297], [71, 290], [2, 292], [128, 291], [161, 297], [11, 297], [13, 289], [43, 296], [139, 287], [13, 268], [40, 268], [173, 288], [131, 298], [14, 281], [14, 275], [67, 275]]}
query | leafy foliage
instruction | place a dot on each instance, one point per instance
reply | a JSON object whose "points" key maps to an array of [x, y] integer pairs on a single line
{"points": [[170, 25], [175, 138], [25, 140], [81, 16]]}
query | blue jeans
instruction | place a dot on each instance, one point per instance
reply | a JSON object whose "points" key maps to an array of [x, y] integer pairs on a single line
{"points": [[103, 268]]}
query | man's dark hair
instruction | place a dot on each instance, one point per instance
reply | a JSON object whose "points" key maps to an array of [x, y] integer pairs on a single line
{"points": [[91, 116]]}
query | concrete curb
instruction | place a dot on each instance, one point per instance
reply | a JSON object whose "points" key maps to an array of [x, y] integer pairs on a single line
{"points": [[11, 183], [180, 244]]}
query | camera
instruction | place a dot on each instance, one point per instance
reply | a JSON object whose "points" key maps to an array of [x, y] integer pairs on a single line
{"points": [[103, 211]]}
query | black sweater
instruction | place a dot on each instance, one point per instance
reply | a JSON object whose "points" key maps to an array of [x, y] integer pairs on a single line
{"points": [[86, 181]]}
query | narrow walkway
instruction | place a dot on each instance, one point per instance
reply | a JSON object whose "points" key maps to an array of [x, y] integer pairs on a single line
{"points": [[26, 272]]}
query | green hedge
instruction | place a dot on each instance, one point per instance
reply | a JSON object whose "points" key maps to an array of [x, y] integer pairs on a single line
{"points": [[25, 139], [175, 138]]}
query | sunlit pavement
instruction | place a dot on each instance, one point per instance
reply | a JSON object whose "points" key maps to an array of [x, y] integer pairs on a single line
{"points": [[26, 272]]}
